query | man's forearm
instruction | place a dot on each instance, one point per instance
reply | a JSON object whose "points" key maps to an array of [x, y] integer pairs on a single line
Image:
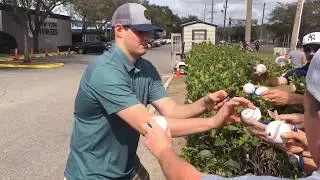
{"points": [[188, 110], [184, 127], [297, 99], [174, 168]]}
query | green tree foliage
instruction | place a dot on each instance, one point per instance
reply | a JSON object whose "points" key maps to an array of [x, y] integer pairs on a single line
{"points": [[190, 18], [163, 16], [100, 11], [282, 19], [95, 12]]}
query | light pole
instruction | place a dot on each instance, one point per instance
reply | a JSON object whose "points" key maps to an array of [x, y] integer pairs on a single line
{"points": [[225, 17], [296, 26], [261, 28], [212, 12], [248, 21]]}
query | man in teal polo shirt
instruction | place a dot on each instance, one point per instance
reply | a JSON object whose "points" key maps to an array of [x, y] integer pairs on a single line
{"points": [[110, 106]]}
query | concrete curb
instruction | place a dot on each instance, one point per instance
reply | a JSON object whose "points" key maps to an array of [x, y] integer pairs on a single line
{"points": [[33, 66], [151, 109], [51, 54]]}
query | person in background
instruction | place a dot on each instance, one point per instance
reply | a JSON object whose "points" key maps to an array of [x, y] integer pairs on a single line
{"points": [[310, 45], [297, 57], [257, 45]]}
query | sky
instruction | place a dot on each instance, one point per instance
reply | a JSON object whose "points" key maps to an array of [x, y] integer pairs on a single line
{"points": [[236, 8]]}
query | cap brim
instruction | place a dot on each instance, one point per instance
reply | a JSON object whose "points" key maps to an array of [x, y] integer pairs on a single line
{"points": [[146, 28]]}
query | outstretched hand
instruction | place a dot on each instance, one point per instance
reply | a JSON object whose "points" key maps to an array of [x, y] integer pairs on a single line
{"points": [[226, 115], [156, 139], [213, 101]]}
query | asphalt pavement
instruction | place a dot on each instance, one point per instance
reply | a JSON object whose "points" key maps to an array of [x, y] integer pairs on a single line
{"points": [[36, 115]]}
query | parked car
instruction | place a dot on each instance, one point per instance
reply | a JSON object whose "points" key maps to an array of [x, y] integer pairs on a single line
{"points": [[157, 43], [92, 47], [168, 41], [163, 41]]}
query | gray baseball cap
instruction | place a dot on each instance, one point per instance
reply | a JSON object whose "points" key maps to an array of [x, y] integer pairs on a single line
{"points": [[135, 16], [313, 76]]}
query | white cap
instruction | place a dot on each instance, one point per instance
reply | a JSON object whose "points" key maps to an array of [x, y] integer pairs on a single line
{"points": [[312, 38]]}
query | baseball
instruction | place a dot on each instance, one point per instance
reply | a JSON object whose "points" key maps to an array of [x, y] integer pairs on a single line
{"points": [[275, 129], [260, 90], [261, 69], [251, 114], [249, 88], [162, 122]]}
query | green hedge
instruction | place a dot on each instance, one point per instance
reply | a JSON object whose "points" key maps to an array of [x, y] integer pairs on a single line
{"points": [[232, 150]]}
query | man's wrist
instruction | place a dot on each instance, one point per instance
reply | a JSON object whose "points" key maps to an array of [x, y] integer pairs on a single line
{"points": [[165, 154], [212, 122], [296, 99], [207, 103]]}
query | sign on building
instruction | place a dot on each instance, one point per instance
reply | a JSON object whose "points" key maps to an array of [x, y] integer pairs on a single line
{"points": [[49, 27]]}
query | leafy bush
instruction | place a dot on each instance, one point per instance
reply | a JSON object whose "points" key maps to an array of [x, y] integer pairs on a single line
{"points": [[232, 150]]}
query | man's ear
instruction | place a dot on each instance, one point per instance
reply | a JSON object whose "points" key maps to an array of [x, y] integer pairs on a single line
{"points": [[118, 30]]}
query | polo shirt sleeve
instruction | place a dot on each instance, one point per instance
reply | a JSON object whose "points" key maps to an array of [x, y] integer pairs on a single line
{"points": [[156, 89], [111, 88]]}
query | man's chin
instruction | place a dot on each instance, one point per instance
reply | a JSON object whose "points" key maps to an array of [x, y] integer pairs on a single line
{"points": [[143, 52]]}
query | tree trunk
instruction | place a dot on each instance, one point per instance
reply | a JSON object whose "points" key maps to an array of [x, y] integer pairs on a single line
{"points": [[26, 49], [36, 31], [36, 41], [84, 27]]}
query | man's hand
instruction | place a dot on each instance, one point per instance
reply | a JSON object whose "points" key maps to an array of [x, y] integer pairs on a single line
{"points": [[297, 141], [257, 128], [279, 96], [296, 119], [156, 139], [226, 115], [212, 100]]}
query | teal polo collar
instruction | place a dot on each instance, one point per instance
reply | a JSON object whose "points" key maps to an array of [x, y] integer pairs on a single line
{"points": [[125, 60]]}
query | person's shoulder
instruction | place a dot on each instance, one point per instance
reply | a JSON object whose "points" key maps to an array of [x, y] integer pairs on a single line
{"points": [[104, 66], [146, 62], [106, 60], [147, 65], [148, 68]]}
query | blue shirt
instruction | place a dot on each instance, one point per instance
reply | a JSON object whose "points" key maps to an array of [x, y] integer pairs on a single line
{"points": [[299, 72]]}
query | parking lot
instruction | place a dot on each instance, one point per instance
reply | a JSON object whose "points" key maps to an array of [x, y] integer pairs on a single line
{"points": [[36, 110]]}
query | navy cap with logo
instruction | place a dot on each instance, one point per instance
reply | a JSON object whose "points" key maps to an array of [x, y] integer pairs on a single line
{"points": [[135, 16]]}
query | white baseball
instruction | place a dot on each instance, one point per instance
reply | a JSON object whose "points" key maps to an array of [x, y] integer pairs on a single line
{"points": [[275, 129], [261, 68], [162, 122], [251, 114], [249, 88], [260, 90]]}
